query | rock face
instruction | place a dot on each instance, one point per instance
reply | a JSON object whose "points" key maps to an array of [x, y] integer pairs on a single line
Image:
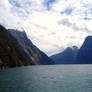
{"points": [[37, 57], [11, 55], [18, 50], [85, 52], [68, 56]]}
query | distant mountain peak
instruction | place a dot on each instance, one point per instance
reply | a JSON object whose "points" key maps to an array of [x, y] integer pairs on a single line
{"points": [[88, 37], [68, 56]]}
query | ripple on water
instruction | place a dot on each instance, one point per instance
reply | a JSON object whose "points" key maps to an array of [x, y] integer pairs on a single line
{"points": [[62, 78]]}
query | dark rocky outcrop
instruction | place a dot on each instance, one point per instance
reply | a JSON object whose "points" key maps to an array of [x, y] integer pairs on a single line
{"points": [[68, 56], [37, 56], [85, 52], [19, 51], [11, 55]]}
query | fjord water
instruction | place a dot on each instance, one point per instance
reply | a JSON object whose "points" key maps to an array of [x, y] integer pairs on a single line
{"points": [[51, 78]]}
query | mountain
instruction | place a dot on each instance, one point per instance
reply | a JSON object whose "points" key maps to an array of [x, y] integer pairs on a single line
{"points": [[84, 55], [37, 57], [14, 53], [68, 56], [11, 55]]}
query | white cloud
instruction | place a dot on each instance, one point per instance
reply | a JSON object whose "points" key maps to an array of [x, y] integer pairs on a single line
{"points": [[6, 17], [54, 36], [42, 26]]}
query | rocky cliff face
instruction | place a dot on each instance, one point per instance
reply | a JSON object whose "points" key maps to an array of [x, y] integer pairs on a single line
{"points": [[36, 56], [85, 52], [68, 56], [18, 50], [11, 55]]}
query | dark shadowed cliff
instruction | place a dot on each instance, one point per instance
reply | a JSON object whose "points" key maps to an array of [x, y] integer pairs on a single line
{"points": [[18, 50], [11, 55], [85, 52], [36, 56]]}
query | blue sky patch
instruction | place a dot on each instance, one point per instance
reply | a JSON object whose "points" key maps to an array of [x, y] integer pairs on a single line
{"points": [[15, 3], [48, 3], [67, 11], [88, 15], [86, 18]]}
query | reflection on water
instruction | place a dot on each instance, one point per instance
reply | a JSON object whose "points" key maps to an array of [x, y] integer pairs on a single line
{"points": [[52, 78]]}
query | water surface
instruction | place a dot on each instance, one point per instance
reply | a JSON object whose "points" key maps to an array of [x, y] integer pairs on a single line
{"points": [[51, 78]]}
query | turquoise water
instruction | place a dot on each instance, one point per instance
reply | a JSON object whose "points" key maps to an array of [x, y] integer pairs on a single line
{"points": [[51, 78]]}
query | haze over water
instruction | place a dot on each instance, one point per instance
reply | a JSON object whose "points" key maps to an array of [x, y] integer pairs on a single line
{"points": [[51, 78]]}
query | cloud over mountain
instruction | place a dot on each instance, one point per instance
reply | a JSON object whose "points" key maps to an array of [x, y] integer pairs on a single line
{"points": [[51, 24]]}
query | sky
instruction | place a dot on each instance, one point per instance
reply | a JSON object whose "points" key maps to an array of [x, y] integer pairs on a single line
{"points": [[52, 25]]}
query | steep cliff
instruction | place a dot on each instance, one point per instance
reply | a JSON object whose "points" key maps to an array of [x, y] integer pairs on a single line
{"points": [[18, 50], [85, 52], [36, 55], [11, 55]]}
